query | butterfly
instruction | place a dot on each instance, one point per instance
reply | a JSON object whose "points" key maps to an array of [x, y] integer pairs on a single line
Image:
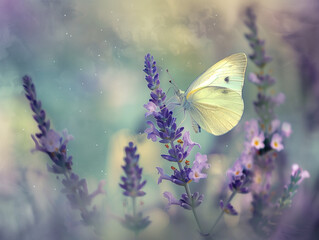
{"points": [[214, 100]]}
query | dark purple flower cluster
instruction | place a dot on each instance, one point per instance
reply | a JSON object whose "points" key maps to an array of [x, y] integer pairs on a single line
{"points": [[152, 75], [258, 56], [132, 183], [168, 131], [240, 178], [55, 146]]}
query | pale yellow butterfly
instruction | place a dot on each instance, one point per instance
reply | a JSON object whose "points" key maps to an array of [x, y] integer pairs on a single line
{"points": [[214, 100]]}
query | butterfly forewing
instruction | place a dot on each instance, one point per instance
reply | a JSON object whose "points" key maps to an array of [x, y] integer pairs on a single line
{"points": [[228, 73]]}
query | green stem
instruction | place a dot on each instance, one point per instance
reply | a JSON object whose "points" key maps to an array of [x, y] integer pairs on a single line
{"points": [[222, 213], [134, 215], [134, 206], [188, 192]]}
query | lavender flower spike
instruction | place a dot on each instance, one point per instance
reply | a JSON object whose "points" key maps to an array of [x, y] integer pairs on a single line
{"points": [[258, 56], [47, 141], [132, 183], [55, 146], [178, 145]]}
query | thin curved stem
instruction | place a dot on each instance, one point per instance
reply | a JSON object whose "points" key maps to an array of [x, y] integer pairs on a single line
{"points": [[188, 192], [222, 213]]}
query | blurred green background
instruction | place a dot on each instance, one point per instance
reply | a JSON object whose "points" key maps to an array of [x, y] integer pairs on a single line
{"points": [[86, 59]]}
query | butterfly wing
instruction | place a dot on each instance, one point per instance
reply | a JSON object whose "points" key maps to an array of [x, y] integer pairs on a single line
{"points": [[228, 73], [216, 109]]}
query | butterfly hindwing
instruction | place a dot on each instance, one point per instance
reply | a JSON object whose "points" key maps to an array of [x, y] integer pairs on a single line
{"points": [[216, 109]]}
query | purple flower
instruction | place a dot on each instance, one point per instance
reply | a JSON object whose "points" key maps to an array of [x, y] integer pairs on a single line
{"points": [[229, 209], [188, 143], [286, 129], [239, 178], [263, 81], [298, 173], [258, 141], [171, 199], [132, 183], [290, 190], [199, 164], [274, 126], [251, 128], [51, 142], [279, 99], [247, 161], [163, 175], [151, 108], [152, 132], [193, 202], [276, 142]]}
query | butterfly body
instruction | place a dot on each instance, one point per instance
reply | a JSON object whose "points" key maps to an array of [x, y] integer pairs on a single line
{"points": [[214, 100]]}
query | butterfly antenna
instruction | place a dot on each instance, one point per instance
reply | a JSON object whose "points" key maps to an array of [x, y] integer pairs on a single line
{"points": [[169, 89], [176, 89]]}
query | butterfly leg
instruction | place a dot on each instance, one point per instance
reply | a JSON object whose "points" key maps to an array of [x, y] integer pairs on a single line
{"points": [[196, 127]]}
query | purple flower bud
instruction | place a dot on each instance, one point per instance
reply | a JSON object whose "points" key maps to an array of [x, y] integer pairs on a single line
{"points": [[180, 177], [151, 108], [171, 199], [229, 209], [298, 173]]}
